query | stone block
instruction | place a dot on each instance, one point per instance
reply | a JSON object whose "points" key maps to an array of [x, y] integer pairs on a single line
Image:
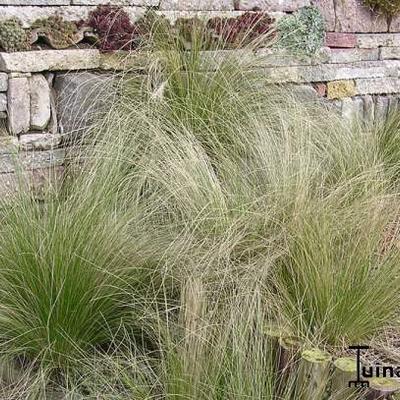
{"points": [[343, 56], [378, 86], [82, 98], [270, 5], [3, 82], [18, 105], [352, 109], [327, 9], [354, 16], [341, 89], [332, 72], [196, 5], [50, 60], [369, 108], [39, 141], [40, 102], [340, 40], [378, 40], [3, 102], [140, 3], [381, 108], [389, 53]]}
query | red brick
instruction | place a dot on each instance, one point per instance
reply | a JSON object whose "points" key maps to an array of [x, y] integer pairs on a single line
{"points": [[342, 40], [320, 88]]}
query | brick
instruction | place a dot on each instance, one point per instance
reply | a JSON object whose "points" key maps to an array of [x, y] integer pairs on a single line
{"points": [[378, 86], [320, 88], [341, 40], [354, 16], [341, 89]]}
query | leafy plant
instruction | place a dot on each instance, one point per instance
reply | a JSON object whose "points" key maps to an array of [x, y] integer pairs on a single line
{"points": [[388, 7], [303, 32], [58, 32], [241, 30], [114, 28], [13, 37]]}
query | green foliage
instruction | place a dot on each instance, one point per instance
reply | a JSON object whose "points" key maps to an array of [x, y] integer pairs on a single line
{"points": [[303, 32], [12, 36], [59, 33], [388, 7]]}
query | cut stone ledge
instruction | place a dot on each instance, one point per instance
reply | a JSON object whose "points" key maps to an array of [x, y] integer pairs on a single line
{"points": [[49, 60], [378, 86]]}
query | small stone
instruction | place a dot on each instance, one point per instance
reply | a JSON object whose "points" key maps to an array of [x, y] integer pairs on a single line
{"points": [[340, 40], [320, 88], [3, 102], [18, 99], [381, 108], [354, 16], [341, 89], [39, 141], [40, 102], [3, 82]]}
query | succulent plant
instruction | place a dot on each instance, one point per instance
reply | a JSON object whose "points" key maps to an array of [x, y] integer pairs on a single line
{"points": [[302, 32], [12, 36], [388, 7], [56, 31], [114, 28]]}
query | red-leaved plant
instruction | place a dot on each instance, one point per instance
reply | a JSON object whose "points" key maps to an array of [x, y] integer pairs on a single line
{"points": [[114, 28]]}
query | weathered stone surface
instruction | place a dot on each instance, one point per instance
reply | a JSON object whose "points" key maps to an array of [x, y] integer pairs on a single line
{"points": [[28, 14], [381, 107], [369, 108], [37, 180], [267, 57], [3, 102], [3, 82], [378, 40], [8, 144], [175, 14], [393, 105], [340, 40], [331, 72], [140, 3], [352, 109], [395, 24], [353, 16], [327, 9], [34, 2], [3, 115], [50, 60], [270, 5], [18, 104], [390, 53], [378, 86], [31, 160], [81, 99], [190, 5], [341, 89], [39, 141], [342, 56], [40, 102]]}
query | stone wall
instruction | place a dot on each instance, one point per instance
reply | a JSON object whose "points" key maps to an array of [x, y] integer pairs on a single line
{"points": [[358, 70]]}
